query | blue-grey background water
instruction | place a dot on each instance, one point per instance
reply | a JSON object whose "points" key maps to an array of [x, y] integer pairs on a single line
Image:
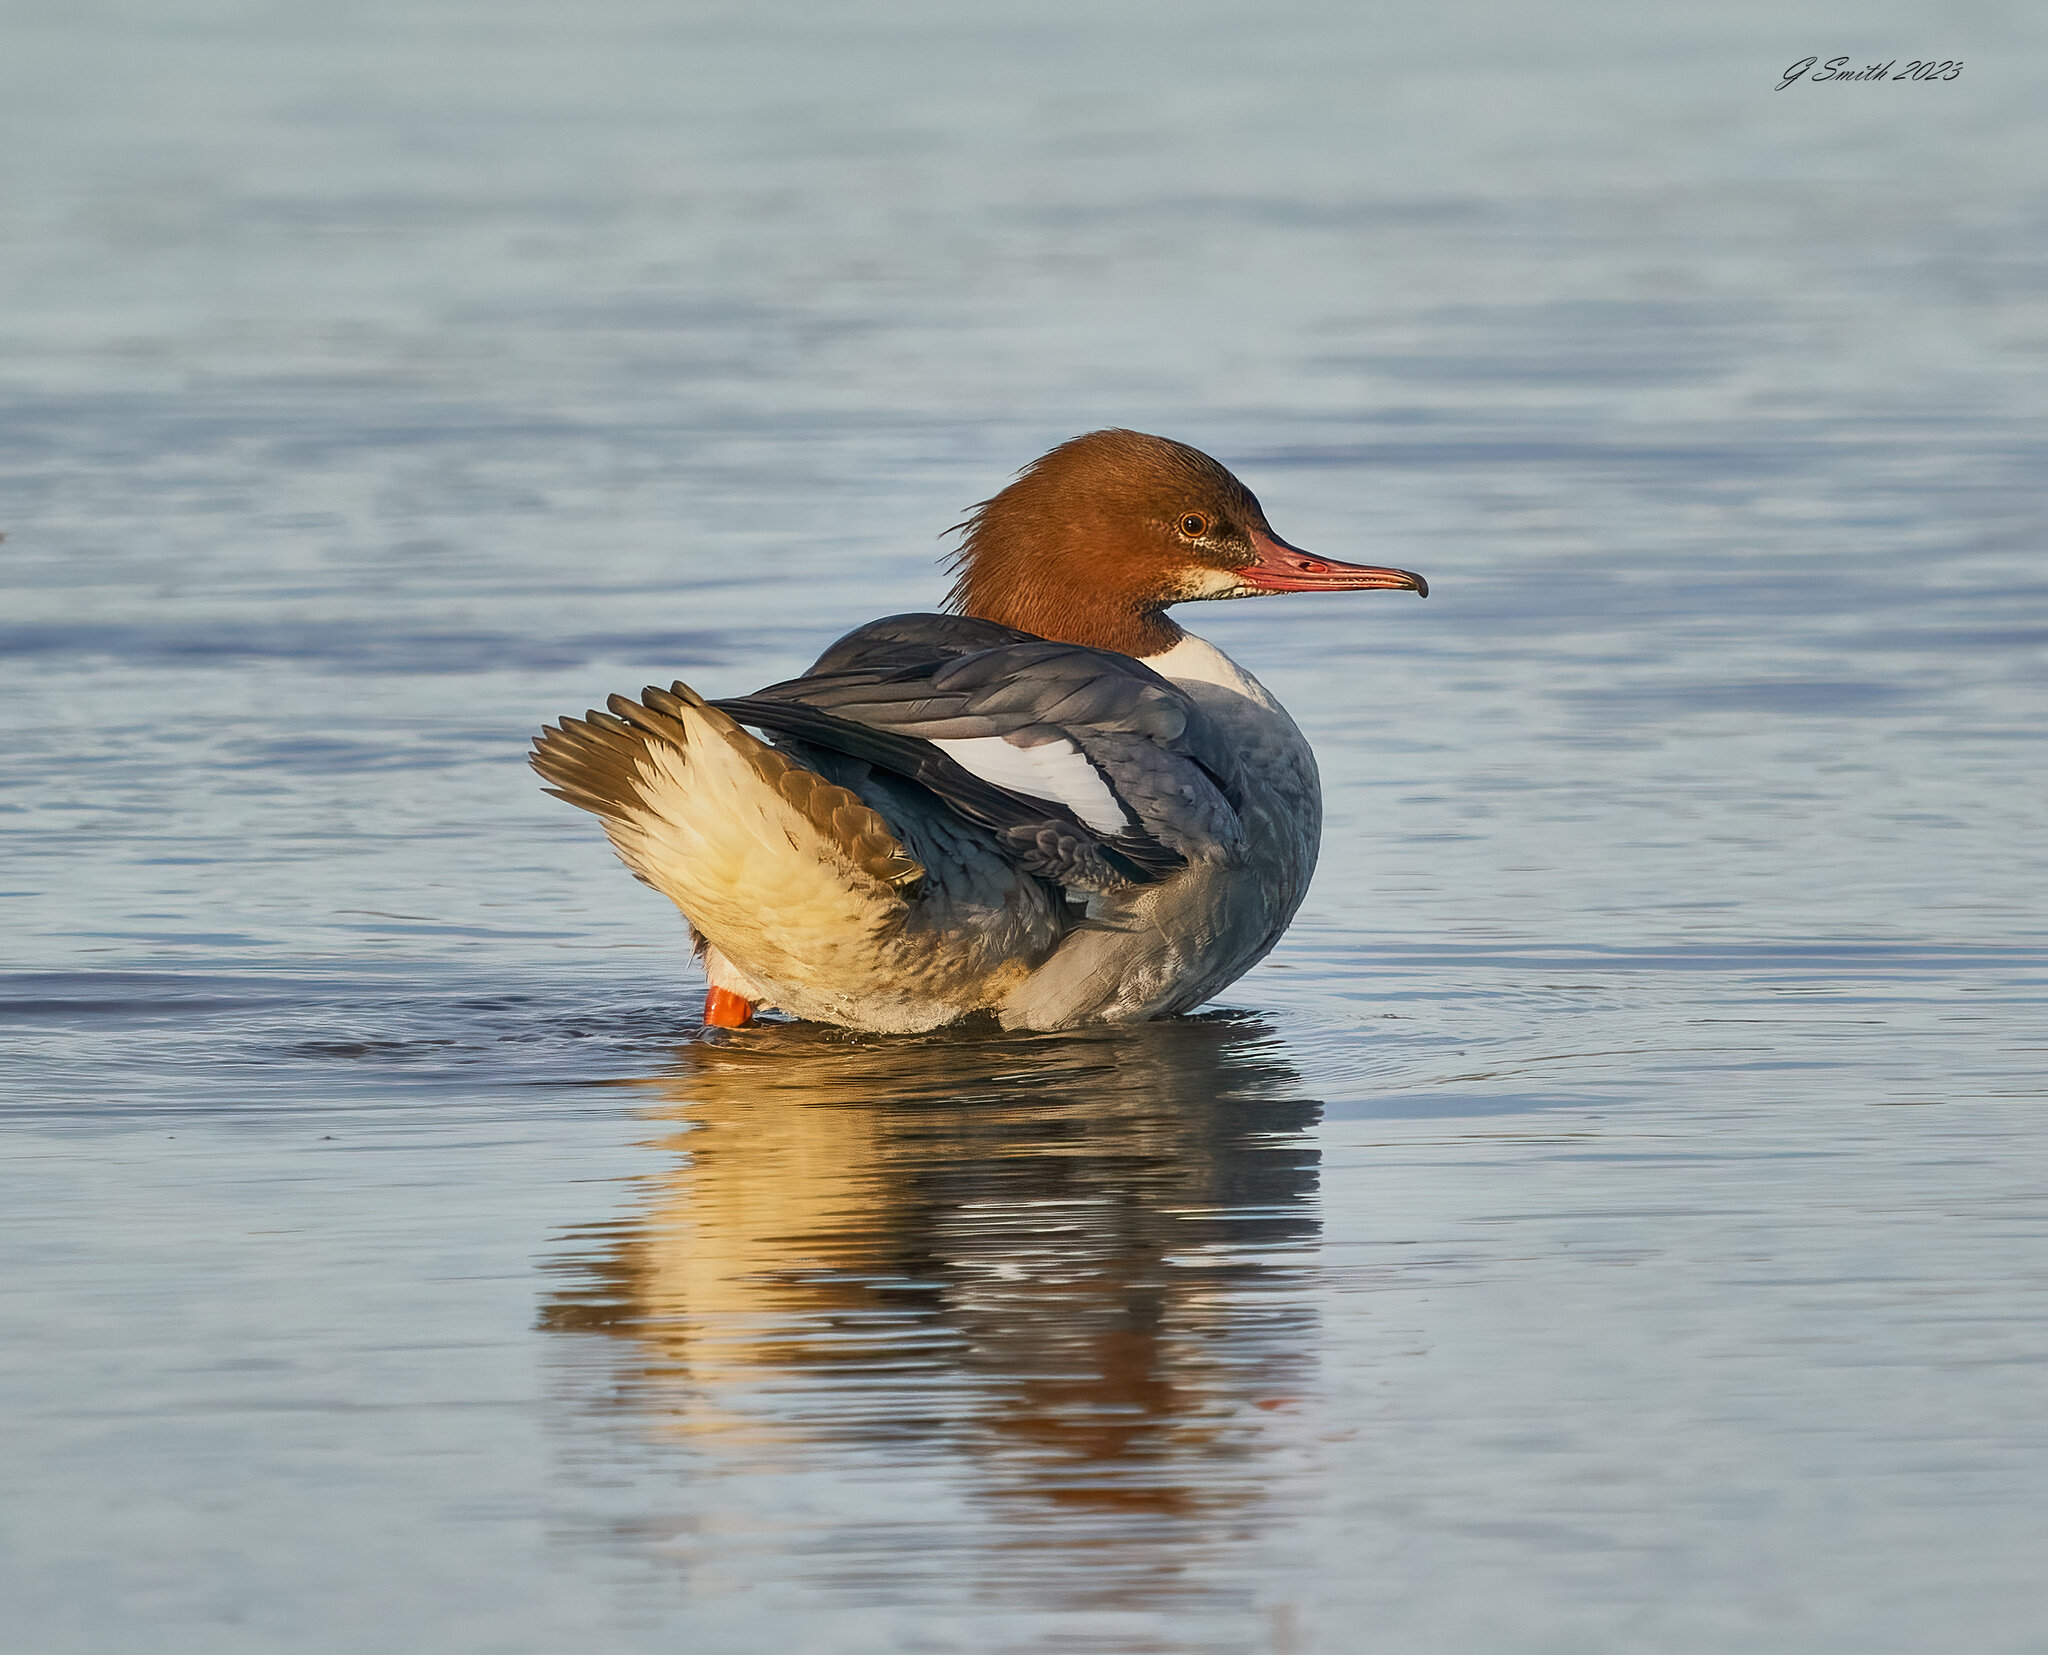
{"points": [[1613, 1220]]}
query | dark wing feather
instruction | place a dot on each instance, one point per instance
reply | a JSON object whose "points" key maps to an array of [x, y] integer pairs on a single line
{"points": [[915, 641], [1045, 836], [884, 693]]}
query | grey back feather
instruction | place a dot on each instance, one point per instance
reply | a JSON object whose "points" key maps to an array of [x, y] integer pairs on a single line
{"points": [[909, 680]]}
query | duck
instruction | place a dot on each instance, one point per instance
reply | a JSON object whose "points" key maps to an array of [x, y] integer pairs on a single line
{"points": [[1046, 803]]}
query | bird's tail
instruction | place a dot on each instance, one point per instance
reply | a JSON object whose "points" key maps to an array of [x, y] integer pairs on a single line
{"points": [[790, 878]]}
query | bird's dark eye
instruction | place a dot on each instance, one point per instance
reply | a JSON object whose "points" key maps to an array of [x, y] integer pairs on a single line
{"points": [[1194, 525]]}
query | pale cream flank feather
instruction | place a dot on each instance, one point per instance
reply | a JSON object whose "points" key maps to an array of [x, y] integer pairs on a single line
{"points": [[770, 863]]}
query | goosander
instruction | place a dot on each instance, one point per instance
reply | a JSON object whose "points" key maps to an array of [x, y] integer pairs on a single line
{"points": [[1051, 803]]}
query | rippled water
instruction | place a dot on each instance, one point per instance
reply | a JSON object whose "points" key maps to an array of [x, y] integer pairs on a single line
{"points": [[1612, 1220]]}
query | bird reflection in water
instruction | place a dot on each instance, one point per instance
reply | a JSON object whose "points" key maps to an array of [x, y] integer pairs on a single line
{"points": [[1061, 1267]]}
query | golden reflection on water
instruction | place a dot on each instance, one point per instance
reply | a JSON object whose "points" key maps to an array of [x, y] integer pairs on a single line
{"points": [[1057, 1265]]}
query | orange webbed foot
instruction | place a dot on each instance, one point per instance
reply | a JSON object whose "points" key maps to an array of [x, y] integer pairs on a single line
{"points": [[724, 1009]]}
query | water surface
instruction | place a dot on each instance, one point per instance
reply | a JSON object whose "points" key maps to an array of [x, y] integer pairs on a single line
{"points": [[1612, 1220]]}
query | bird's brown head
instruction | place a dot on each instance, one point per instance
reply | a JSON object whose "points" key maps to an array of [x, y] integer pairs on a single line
{"points": [[1094, 541]]}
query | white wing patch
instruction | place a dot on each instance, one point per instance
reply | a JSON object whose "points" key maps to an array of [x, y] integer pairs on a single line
{"points": [[1055, 770]]}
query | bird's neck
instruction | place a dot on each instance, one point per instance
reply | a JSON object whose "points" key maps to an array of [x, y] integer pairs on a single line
{"points": [[1069, 617]]}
